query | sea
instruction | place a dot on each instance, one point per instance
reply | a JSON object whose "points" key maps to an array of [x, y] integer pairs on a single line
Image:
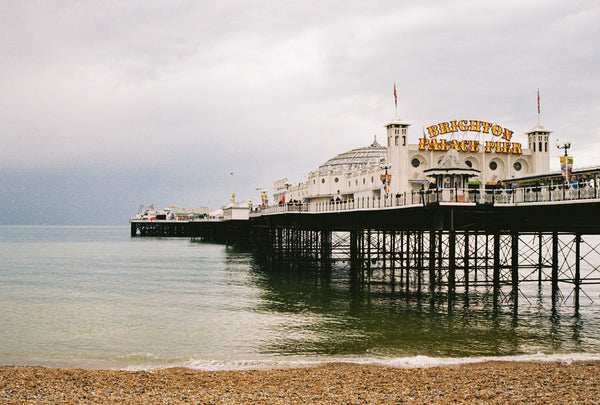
{"points": [[94, 297]]}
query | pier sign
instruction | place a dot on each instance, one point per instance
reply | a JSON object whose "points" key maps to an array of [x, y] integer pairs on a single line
{"points": [[502, 145]]}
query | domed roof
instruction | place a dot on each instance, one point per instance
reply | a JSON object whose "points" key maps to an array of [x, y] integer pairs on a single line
{"points": [[356, 159], [451, 163]]}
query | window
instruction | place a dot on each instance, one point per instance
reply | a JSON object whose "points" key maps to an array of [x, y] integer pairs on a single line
{"points": [[396, 142], [403, 131], [372, 180], [364, 181], [493, 165], [469, 163], [518, 166], [403, 140], [415, 162], [336, 179], [540, 148], [322, 180]]}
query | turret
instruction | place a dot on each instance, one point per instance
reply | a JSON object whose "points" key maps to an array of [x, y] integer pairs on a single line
{"points": [[397, 142], [538, 138]]}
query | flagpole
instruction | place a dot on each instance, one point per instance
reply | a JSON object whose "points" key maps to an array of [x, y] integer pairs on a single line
{"points": [[538, 102], [395, 101]]}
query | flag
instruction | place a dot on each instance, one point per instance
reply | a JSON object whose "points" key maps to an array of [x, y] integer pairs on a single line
{"points": [[395, 96], [538, 94]]}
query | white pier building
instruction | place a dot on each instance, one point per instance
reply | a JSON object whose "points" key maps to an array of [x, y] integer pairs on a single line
{"points": [[378, 171]]}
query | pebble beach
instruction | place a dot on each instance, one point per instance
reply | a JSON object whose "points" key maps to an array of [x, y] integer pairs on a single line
{"points": [[476, 383]]}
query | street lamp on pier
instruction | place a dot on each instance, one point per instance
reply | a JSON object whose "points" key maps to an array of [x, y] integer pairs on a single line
{"points": [[565, 145], [565, 163], [386, 179]]}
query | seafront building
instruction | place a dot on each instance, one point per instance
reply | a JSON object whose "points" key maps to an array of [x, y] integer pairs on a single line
{"points": [[489, 150]]}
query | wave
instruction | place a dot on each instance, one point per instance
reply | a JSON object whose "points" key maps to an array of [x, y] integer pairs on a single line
{"points": [[400, 362]]}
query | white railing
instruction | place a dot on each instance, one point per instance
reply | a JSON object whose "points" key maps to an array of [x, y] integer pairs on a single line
{"points": [[508, 196]]}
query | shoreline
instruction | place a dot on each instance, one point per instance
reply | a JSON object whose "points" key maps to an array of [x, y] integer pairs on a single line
{"points": [[480, 382]]}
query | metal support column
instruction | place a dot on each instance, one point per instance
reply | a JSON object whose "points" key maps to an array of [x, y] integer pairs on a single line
{"points": [[515, 270], [451, 265], [577, 280], [554, 269], [432, 247]]}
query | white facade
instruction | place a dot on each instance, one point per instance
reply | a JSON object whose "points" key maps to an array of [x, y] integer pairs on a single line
{"points": [[486, 147], [236, 212]]}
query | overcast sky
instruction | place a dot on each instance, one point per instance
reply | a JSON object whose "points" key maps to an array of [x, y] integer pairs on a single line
{"points": [[108, 105]]}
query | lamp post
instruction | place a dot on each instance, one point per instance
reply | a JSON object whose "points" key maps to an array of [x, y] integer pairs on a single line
{"points": [[232, 194], [385, 180], [264, 202], [565, 145], [564, 163]]}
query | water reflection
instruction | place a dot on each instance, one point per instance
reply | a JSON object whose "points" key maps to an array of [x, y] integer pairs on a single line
{"points": [[327, 312]]}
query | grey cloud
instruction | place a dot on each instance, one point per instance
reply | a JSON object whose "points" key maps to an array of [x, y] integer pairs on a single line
{"points": [[271, 89]]}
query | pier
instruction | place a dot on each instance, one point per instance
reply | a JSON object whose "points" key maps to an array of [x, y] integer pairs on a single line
{"points": [[428, 242]]}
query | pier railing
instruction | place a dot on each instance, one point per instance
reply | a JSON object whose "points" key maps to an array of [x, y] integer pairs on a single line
{"points": [[508, 196]]}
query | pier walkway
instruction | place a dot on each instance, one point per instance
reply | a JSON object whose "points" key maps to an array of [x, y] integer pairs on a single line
{"points": [[497, 197], [450, 239]]}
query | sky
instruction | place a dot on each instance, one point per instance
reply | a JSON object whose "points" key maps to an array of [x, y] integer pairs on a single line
{"points": [[108, 105]]}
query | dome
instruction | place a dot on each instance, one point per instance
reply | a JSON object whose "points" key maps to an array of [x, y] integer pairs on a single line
{"points": [[356, 159], [451, 163]]}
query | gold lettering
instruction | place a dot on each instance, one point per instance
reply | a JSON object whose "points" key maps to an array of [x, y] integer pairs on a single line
{"points": [[498, 147], [506, 147], [474, 146], [433, 131], [444, 127], [455, 145], [489, 145], [423, 143], [486, 127], [475, 126], [443, 145], [469, 126], [464, 146], [433, 145], [497, 130], [453, 126], [517, 149]]}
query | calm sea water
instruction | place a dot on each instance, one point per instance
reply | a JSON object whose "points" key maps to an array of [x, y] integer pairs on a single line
{"points": [[94, 297]]}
